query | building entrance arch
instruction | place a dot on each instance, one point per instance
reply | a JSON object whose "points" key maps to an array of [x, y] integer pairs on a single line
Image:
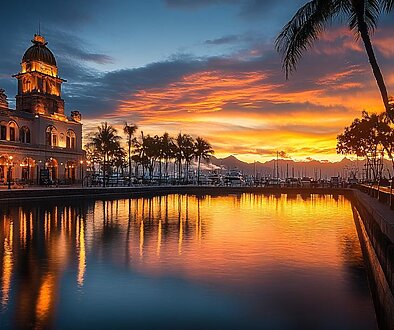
{"points": [[27, 165], [52, 167], [71, 167]]}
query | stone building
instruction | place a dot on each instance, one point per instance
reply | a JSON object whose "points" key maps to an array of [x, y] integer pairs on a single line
{"points": [[38, 141]]}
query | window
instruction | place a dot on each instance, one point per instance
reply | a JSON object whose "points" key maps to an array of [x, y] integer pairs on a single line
{"points": [[3, 132], [51, 136], [12, 133], [25, 134], [70, 140]]}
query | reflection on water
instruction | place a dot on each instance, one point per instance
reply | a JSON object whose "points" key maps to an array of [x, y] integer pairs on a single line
{"points": [[236, 261]]}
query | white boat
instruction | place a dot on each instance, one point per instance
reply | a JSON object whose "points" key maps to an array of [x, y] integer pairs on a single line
{"points": [[233, 177]]}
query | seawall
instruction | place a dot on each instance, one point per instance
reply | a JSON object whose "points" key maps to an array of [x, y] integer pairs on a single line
{"points": [[375, 227]]}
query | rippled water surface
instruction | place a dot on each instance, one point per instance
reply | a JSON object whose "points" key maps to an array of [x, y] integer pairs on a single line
{"points": [[222, 262]]}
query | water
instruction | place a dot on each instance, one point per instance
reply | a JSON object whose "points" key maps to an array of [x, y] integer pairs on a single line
{"points": [[215, 262]]}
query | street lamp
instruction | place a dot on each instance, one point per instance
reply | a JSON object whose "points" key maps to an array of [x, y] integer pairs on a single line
{"points": [[81, 169], [9, 171]]}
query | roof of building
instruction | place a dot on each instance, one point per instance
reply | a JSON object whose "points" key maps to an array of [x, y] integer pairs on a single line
{"points": [[39, 52]]}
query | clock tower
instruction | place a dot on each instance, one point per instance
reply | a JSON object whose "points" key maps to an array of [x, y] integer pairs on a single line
{"points": [[39, 86]]}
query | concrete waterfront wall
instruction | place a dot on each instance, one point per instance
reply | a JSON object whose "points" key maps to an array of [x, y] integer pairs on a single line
{"points": [[375, 227]]}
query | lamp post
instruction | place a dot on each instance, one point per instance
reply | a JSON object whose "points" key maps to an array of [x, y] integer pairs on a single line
{"points": [[88, 172], [38, 172], [81, 169], [9, 164]]}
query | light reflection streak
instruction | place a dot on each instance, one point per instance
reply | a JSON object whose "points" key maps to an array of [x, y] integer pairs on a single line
{"points": [[82, 253], [45, 299], [142, 238], [7, 265], [159, 238]]}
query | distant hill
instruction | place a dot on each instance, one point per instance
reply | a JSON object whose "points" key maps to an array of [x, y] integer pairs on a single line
{"points": [[287, 167]]}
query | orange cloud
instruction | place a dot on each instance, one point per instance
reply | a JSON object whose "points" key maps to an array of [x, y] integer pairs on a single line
{"points": [[254, 112]]}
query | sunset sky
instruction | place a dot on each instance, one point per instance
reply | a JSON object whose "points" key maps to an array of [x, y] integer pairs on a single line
{"points": [[204, 67]]}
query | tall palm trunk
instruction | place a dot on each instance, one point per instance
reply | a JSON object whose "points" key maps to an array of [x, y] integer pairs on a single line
{"points": [[198, 170], [179, 169], [104, 164], [159, 170], [363, 29], [129, 160]]}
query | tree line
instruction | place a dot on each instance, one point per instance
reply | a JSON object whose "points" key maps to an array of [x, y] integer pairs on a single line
{"points": [[150, 153]]}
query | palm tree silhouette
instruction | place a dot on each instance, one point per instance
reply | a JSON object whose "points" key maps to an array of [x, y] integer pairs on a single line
{"points": [[129, 130], [167, 146], [312, 19], [188, 152], [203, 150], [105, 141], [184, 151]]}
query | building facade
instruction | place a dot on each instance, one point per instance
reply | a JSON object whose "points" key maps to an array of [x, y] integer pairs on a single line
{"points": [[39, 143]]}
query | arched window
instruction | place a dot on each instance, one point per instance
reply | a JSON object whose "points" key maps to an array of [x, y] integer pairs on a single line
{"points": [[71, 139], [24, 134], [13, 131], [3, 131], [51, 136]]}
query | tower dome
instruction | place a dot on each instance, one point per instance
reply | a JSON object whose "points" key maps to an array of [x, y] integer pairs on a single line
{"points": [[39, 86], [39, 52]]}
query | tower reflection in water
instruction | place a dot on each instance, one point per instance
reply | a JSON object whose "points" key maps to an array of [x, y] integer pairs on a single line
{"points": [[235, 243]]}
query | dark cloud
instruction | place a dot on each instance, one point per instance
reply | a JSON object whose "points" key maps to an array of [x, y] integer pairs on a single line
{"points": [[68, 45], [223, 40]]}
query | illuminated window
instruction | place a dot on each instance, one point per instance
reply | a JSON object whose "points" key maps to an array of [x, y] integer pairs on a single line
{"points": [[13, 130], [51, 136], [71, 140], [12, 133]]}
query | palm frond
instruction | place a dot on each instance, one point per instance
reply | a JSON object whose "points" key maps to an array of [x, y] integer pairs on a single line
{"points": [[303, 29], [360, 11], [387, 5]]}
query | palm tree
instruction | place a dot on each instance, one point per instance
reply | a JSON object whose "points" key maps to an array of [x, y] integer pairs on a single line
{"points": [[129, 130], [105, 141], [188, 152], [312, 19], [184, 151], [167, 146], [178, 155], [203, 150], [118, 160]]}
